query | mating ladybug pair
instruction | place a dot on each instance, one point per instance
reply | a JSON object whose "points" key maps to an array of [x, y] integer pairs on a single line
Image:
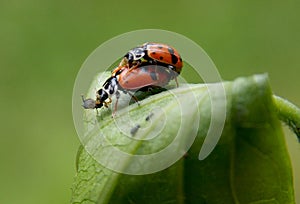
{"points": [[145, 66]]}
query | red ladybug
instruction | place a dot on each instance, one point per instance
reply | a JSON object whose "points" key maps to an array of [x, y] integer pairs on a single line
{"points": [[153, 53]]}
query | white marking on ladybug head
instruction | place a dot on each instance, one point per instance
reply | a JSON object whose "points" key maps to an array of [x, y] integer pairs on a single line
{"points": [[137, 53]]}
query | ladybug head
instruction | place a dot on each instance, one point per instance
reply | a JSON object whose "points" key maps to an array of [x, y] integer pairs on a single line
{"points": [[102, 97], [134, 56]]}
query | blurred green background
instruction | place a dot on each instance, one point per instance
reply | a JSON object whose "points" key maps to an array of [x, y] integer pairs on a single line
{"points": [[44, 43]]}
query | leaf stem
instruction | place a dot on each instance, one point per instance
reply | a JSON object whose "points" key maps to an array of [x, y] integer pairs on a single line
{"points": [[288, 113]]}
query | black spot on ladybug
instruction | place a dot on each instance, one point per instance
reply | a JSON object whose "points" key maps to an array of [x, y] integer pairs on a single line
{"points": [[180, 59], [153, 76], [173, 57], [161, 57], [143, 69], [154, 53]]}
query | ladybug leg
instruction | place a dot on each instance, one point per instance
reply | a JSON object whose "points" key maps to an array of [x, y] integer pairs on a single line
{"points": [[106, 103], [135, 66], [177, 85], [123, 62], [134, 98], [116, 104], [172, 68]]}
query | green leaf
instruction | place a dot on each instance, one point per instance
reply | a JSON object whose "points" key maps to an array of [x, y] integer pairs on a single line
{"points": [[250, 163]]}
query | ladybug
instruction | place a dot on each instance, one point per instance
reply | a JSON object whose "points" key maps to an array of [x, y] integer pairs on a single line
{"points": [[126, 80], [153, 53], [143, 67]]}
